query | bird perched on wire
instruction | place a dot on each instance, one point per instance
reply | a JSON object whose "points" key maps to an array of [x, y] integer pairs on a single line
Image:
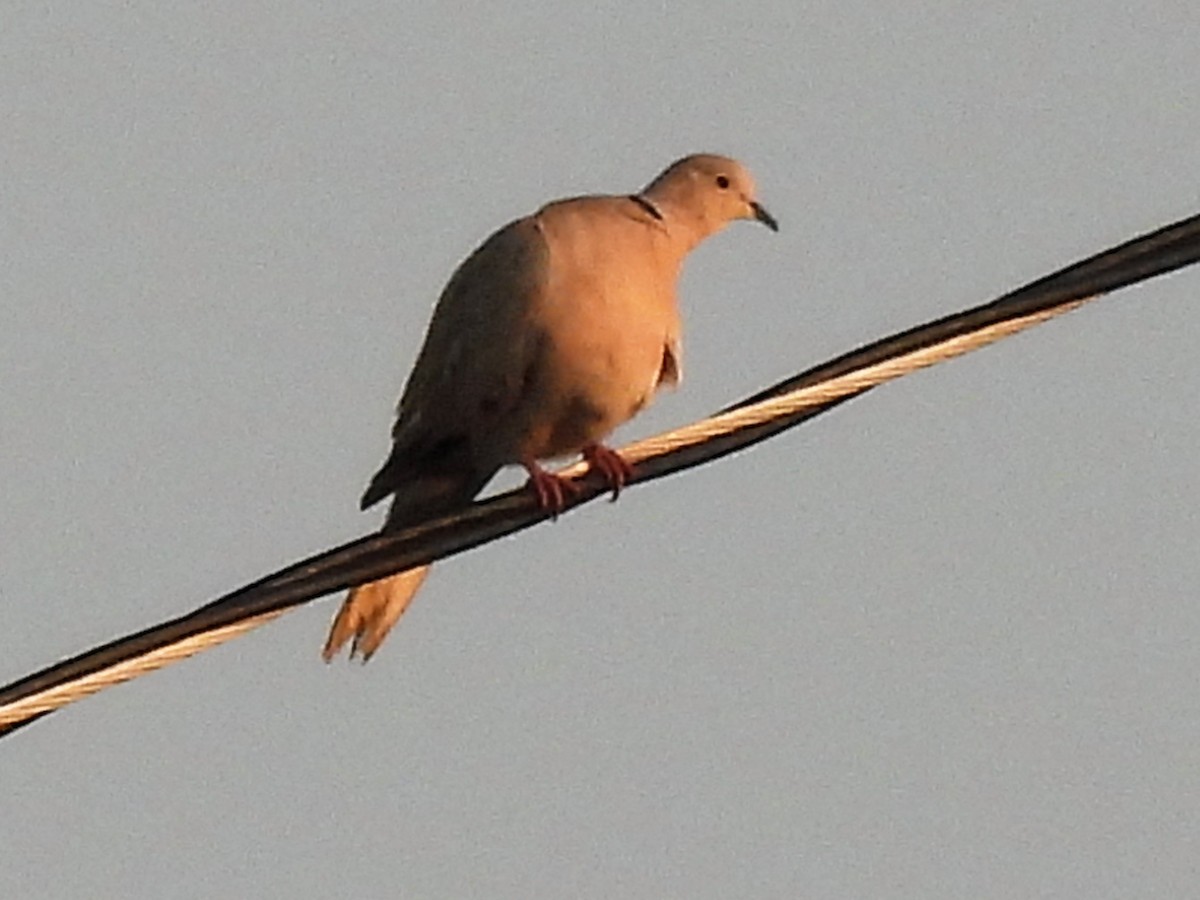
{"points": [[560, 327]]}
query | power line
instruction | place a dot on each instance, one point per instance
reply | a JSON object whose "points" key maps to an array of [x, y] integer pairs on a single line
{"points": [[767, 413]]}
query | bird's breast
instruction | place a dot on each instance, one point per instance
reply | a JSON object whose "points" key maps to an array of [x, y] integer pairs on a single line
{"points": [[606, 312]]}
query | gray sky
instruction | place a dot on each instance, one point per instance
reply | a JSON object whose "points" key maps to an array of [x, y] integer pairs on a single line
{"points": [[938, 643]]}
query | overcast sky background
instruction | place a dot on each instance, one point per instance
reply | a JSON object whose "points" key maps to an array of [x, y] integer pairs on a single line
{"points": [[940, 643]]}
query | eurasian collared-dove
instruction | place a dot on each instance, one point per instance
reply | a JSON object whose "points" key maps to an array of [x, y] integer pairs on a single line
{"points": [[560, 327]]}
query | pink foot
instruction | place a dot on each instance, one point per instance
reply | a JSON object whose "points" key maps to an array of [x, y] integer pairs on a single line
{"points": [[551, 490], [611, 465]]}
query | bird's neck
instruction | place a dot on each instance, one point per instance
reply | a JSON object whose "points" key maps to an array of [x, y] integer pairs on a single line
{"points": [[681, 220]]}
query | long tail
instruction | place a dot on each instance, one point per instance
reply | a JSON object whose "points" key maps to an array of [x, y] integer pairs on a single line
{"points": [[370, 610]]}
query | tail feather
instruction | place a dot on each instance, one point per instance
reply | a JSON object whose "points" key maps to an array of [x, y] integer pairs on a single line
{"points": [[370, 610]]}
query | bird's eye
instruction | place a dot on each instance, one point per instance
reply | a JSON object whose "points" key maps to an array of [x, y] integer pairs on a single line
{"points": [[722, 181]]}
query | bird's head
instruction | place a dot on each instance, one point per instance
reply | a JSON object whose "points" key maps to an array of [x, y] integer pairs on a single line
{"points": [[709, 192]]}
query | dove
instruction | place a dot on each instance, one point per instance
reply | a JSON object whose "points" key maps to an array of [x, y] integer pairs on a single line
{"points": [[560, 327]]}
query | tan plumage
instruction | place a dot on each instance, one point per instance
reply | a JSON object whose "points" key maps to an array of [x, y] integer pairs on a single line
{"points": [[561, 326]]}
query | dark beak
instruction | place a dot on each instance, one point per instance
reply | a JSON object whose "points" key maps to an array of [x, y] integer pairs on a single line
{"points": [[763, 216]]}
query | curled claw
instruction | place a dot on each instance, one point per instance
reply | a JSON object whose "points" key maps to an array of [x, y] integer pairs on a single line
{"points": [[550, 490], [553, 491], [611, 465]]}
